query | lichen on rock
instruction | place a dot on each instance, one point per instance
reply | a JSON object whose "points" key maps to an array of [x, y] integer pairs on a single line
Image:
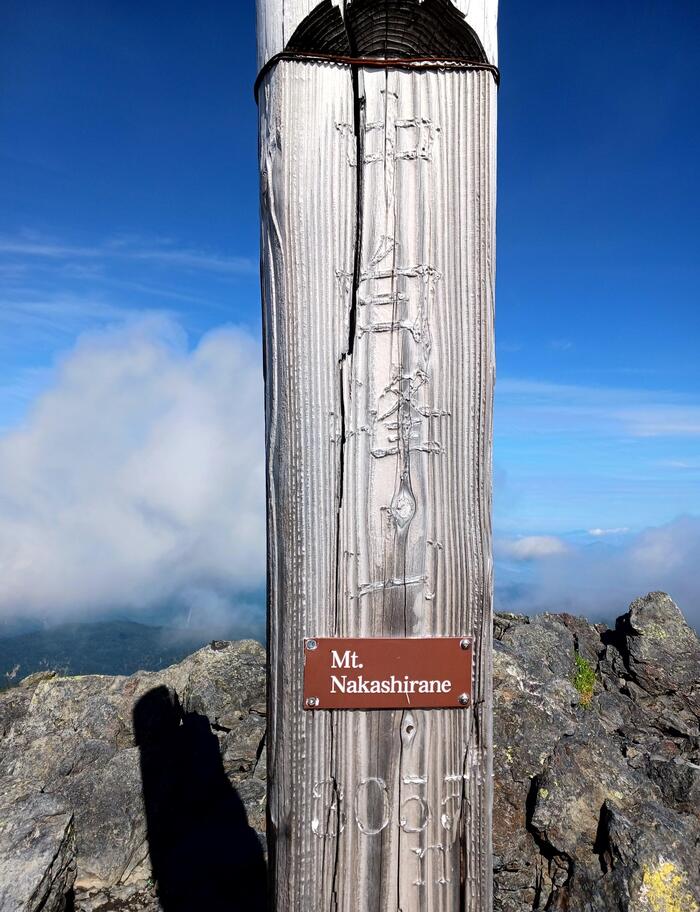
{"points": [[664, 889]]}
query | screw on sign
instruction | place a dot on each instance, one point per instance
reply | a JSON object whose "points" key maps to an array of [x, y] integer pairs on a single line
{"points": [[377, 159]]}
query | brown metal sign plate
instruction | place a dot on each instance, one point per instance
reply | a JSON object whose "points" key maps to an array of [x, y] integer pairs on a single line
{"points": [[387, 673]]}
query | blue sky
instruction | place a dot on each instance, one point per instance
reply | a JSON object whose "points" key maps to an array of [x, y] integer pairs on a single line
{"points": [[129, 218]]}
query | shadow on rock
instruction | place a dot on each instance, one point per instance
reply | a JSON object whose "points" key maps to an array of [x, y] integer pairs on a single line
{"points": [[204, 855]]}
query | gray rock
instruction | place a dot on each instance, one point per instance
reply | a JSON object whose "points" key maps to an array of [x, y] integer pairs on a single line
{"points": [[649, 860], [106, 771], [124, 898], [661, 648], [544, 644], [596, 803], [37, 852], [678, 781], [109, 822], [596, 808], [655, 652]]}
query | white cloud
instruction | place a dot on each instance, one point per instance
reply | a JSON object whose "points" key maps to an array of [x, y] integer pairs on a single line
{"points": [[599, 533], [600, 579], [138, 477], [531, 547]]}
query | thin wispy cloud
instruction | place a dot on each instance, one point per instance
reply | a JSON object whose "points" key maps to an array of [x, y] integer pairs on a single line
{"points": [[198, 260], [545, 408], [164, 253], [561, 345], [600, 533], [682, 465], [158, 291], [28, 248], [662, 420], [58, 310]]}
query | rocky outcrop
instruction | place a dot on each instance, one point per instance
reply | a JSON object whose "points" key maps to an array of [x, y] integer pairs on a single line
{"points": [[596, 762], [37, 851], [113, 785]]}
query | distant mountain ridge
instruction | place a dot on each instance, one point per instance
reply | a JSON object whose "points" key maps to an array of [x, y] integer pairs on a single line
{"points": [[104, 647]]}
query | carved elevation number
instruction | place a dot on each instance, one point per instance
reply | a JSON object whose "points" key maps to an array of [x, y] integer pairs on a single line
{"points": [[372, 812]]}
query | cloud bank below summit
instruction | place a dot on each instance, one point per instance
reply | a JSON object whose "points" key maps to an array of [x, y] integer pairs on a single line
{"points": [[599, 578], [137, 479]]}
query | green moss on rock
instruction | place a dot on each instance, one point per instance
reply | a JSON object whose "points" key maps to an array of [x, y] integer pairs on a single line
{"points": [[584, 679]]}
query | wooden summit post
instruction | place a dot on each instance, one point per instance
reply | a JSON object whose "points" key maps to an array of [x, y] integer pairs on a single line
{"points": [[377, 158]]}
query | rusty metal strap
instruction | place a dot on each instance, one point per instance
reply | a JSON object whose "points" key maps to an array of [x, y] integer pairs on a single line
{"points": [[378, 63]]}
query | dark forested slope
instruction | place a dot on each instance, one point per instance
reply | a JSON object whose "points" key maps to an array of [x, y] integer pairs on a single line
{"points": [[108, 647]]}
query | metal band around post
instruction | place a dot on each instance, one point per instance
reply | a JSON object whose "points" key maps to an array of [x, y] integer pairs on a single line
{"points": [[378, 63]]}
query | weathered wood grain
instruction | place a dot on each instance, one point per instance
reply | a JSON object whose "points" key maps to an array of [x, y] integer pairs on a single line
{"points": [[278, 20], [378, 197]]}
